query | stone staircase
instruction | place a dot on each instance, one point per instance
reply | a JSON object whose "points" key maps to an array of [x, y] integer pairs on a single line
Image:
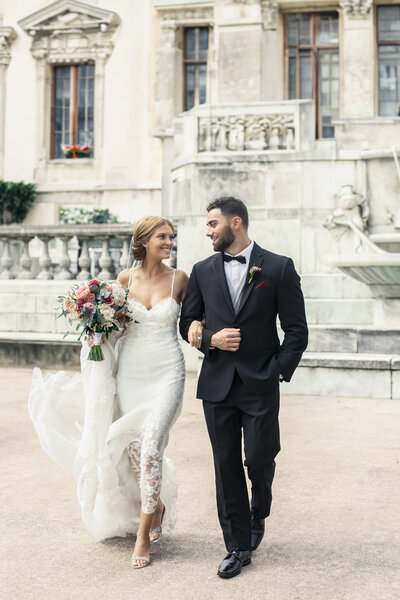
{"points": [[347, 355]]}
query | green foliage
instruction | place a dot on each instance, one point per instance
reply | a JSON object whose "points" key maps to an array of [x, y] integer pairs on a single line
{"points": [[81, 216], [16, 198]]}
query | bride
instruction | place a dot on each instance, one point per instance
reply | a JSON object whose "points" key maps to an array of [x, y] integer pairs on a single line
{"points": [[109, 425]]}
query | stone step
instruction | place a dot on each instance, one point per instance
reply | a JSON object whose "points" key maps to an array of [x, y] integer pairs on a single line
{"points": [[54, 352], [367, 340], [339, 311], [47, 351], [333, 285], [347, 375]]}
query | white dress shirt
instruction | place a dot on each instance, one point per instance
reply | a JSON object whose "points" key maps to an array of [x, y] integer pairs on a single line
{"points": [[236, 274]]}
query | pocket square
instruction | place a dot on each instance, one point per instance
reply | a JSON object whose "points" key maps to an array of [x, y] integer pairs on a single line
{"points": [[263, 284]]}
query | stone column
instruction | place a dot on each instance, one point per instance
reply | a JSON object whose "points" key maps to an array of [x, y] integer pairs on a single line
{"points": [[167, 100], [7, 36], [273, 49], [357, 59], [239, 39]]}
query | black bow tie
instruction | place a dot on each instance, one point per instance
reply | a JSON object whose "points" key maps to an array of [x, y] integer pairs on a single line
{"points": [[239, 258]]}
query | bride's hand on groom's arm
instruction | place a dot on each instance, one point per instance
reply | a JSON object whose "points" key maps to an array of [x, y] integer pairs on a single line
{"points": [[195, 334], [226, 339]]}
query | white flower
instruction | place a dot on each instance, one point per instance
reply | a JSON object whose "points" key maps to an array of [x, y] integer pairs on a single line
{"points": [[107, 312], [118, 294]]}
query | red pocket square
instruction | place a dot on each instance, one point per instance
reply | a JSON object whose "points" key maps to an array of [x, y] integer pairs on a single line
{"points": [[263, 284]]}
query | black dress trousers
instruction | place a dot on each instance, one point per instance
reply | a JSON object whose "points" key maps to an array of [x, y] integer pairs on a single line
{"points": [[257, 416]]}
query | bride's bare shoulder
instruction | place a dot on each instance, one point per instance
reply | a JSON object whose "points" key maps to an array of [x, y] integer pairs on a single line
{"points": [[123, 277], [181, 276]]}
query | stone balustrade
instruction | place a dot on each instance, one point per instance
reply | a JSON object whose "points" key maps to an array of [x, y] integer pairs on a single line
{"points": [[64, 251], [251, 127]]}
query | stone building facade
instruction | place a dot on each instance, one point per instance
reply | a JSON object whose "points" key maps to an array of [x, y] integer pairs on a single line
{"points": [[292, 105]]}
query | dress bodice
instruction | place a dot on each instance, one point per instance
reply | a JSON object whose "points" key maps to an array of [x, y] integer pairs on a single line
{"points": [[162, 316]]}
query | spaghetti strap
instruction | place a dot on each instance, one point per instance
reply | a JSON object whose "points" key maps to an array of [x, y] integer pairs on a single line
{"points": [[130, 277], [172, 286]]}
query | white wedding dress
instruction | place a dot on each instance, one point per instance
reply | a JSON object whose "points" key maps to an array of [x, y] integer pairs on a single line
{"points": [[109, 424]]}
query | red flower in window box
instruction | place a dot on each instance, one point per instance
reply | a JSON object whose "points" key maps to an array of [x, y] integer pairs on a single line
{"points": [[77, 151]]}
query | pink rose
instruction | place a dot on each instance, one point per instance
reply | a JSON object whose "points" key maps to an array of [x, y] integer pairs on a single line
{"points": [[69, 304], [83, 292], [88, 306], [90, 297]]}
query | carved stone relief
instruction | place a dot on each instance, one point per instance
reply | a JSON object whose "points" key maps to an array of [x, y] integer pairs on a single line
{"points": [[356, 8], [269, 14], [204, 14], [69, 30], [7, 36], [246, 132]]}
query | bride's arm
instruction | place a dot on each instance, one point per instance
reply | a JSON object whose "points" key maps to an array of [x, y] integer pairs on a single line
{"points": [[196, 329]]}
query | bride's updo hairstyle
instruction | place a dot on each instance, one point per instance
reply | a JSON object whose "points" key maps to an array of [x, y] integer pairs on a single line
{"points": [[143, 231]]}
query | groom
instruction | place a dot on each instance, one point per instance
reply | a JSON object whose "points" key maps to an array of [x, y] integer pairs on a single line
{"points": [[238, 294]]}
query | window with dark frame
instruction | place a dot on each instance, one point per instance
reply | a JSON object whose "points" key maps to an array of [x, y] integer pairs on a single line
{"points": [[195, 48], [388, 33], [72, 126], [312, 41]]}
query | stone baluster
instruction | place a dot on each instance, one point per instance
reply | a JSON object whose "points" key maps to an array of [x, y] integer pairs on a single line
{"points": [[105, 260], [45, 260], [25, 262], [84, 259], [6, 260], [65, 261], [124, 258]]}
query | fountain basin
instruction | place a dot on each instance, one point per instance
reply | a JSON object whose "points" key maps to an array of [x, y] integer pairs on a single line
{"points": [[381, 272], [387, 241]]}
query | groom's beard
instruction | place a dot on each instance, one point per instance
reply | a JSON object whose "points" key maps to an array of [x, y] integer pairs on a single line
{"points": [[225, 239]]}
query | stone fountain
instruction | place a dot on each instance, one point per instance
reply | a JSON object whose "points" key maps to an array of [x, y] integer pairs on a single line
{"points": [[371, 264]]}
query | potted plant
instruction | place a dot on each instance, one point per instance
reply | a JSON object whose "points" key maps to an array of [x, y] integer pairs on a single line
{"points": [[77, 151]]}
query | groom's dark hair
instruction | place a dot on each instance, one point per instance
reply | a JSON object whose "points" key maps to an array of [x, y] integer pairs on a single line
{"points": [[231, 207]]}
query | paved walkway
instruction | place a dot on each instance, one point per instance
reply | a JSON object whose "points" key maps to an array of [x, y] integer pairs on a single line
{"points": [[334, 532]]}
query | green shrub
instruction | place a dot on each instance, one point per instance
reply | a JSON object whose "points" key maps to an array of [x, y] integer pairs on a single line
{"points": [[16, 198], [81, 216]]}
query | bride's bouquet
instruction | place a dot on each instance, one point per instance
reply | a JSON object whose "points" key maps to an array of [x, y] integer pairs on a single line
{"points": [[96, 308]]}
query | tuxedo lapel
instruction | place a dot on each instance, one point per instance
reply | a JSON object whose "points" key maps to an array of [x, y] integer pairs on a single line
{"points": [[256, 259], [218, 264]]}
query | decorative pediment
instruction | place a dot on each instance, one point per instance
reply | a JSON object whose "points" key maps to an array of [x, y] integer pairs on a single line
{"points": [[69, 30], [65, 15]]}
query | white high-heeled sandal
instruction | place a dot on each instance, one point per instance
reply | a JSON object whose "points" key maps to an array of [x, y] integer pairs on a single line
{"points": [[136, 558], [157, 530]]}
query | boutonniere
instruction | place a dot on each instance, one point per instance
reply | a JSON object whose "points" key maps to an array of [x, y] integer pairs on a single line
{"points": [[252, 272]]}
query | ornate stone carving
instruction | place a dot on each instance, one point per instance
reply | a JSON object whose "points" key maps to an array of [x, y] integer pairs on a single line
{"points": [[69, 30], [352, 210], [199, 14], [356, 8], [269, 14], [168, 34], [7, 36], [246, 132]]}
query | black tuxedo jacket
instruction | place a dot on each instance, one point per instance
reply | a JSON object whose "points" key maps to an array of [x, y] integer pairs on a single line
{"points": [[275, 290]]}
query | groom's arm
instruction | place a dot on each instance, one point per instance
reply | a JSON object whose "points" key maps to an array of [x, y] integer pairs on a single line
{"points": [[193, 310], [293, 320]]}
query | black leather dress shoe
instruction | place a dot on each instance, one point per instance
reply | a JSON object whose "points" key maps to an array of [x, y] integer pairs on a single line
{"points": [[233, 563], [257, 531]]}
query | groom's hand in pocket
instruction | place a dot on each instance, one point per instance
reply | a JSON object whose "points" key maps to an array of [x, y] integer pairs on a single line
{"points": [[226, 339]]}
